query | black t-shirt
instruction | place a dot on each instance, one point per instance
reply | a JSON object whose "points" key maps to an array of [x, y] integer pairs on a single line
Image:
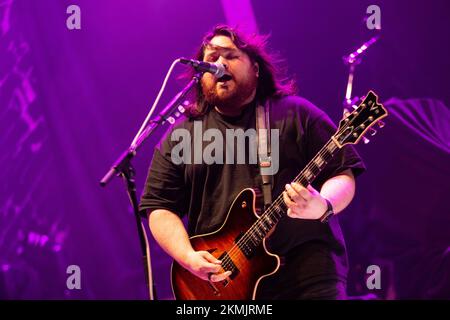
{"points": [[204, 192]]}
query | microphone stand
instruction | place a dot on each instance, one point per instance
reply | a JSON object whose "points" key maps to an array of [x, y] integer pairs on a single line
{"points": [[123, 167], [348, 102], [352, 60]]}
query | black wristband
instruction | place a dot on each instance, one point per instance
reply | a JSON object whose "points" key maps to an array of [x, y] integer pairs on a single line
{"points": [[326, 216]]}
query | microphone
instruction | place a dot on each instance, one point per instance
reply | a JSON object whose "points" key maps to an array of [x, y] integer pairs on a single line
{"points": [[217, 69], [353, 57]]}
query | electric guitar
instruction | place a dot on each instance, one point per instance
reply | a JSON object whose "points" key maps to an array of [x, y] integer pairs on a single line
{"points": [[240, 241]]}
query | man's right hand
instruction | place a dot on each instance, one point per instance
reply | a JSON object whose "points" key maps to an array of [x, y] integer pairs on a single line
{"points": [[205, 266], [169, 232]]}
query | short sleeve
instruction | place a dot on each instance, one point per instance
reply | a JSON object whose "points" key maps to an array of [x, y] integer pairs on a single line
{"points": [[165, 185]]}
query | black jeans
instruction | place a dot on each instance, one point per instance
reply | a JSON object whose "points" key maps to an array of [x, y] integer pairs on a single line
{"points": [[308, 272]]}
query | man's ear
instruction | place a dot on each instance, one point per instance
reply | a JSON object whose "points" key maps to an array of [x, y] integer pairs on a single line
{"points": [[256, 67]]}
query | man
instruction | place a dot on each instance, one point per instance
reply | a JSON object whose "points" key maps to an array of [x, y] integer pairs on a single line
{"points": [[314, 263]]}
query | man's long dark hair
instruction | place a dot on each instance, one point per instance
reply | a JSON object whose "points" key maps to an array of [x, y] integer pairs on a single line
{"points": [[271, 81]]}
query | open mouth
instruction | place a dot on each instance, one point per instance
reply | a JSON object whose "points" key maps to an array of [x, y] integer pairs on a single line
{"points": [[225, 78]]}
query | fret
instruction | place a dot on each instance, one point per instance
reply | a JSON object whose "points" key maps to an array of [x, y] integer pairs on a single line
{"points": [[253, 240], [278, 210], [326, 155], [271, 216], [259, 231], [245, 248], [330, 147], [308, 174], [261, 227], [327, 151], [273, 211], [269, 221], [254, 237], [302, 180], [319, 162], [314, 169], [265, 224]]}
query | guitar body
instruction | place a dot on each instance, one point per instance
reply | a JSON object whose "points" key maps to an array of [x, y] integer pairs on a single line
{"points": [[243, 283]]}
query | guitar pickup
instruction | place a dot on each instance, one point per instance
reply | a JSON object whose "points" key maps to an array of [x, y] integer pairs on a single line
{"points": [[228, 265]]}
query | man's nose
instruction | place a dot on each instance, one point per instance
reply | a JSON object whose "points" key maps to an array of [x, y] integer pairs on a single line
{"points": [[223, 61]]}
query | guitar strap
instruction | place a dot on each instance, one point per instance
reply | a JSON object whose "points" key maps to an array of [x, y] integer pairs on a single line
{"points": [[264, 152]]}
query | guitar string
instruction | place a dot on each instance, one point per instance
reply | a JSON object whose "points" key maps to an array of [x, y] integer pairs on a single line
{"points": [[231, 253], [248, 234], [322, 152], [276, 203]]}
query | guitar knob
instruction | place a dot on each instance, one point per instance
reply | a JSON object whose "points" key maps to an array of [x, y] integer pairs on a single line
{"points": [[381, 124]]}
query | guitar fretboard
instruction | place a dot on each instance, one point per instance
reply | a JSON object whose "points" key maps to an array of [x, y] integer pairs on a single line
{"points": [[250, 240]]}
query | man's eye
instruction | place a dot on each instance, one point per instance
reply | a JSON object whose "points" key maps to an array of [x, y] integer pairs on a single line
{"points": [[211, 58]]}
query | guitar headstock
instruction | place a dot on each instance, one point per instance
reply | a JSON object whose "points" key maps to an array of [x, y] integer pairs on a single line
{"points": [[361, 120]]}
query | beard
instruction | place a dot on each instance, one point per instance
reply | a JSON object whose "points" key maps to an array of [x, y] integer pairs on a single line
{"points": [[229, 98]]}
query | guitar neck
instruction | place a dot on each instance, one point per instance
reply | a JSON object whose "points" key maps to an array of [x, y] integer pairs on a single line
{"points": [[277, 209]]}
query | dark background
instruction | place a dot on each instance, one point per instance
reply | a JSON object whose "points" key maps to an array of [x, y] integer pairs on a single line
{"points": [[72, 100]]}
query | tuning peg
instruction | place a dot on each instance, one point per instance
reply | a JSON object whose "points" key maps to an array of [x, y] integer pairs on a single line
{"points": [[381, 124], [346, 113], [366, 141], [372, 131], [171, 120]]}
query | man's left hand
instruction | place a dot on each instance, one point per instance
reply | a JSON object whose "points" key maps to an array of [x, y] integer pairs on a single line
{"points": [[304, 203]]}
